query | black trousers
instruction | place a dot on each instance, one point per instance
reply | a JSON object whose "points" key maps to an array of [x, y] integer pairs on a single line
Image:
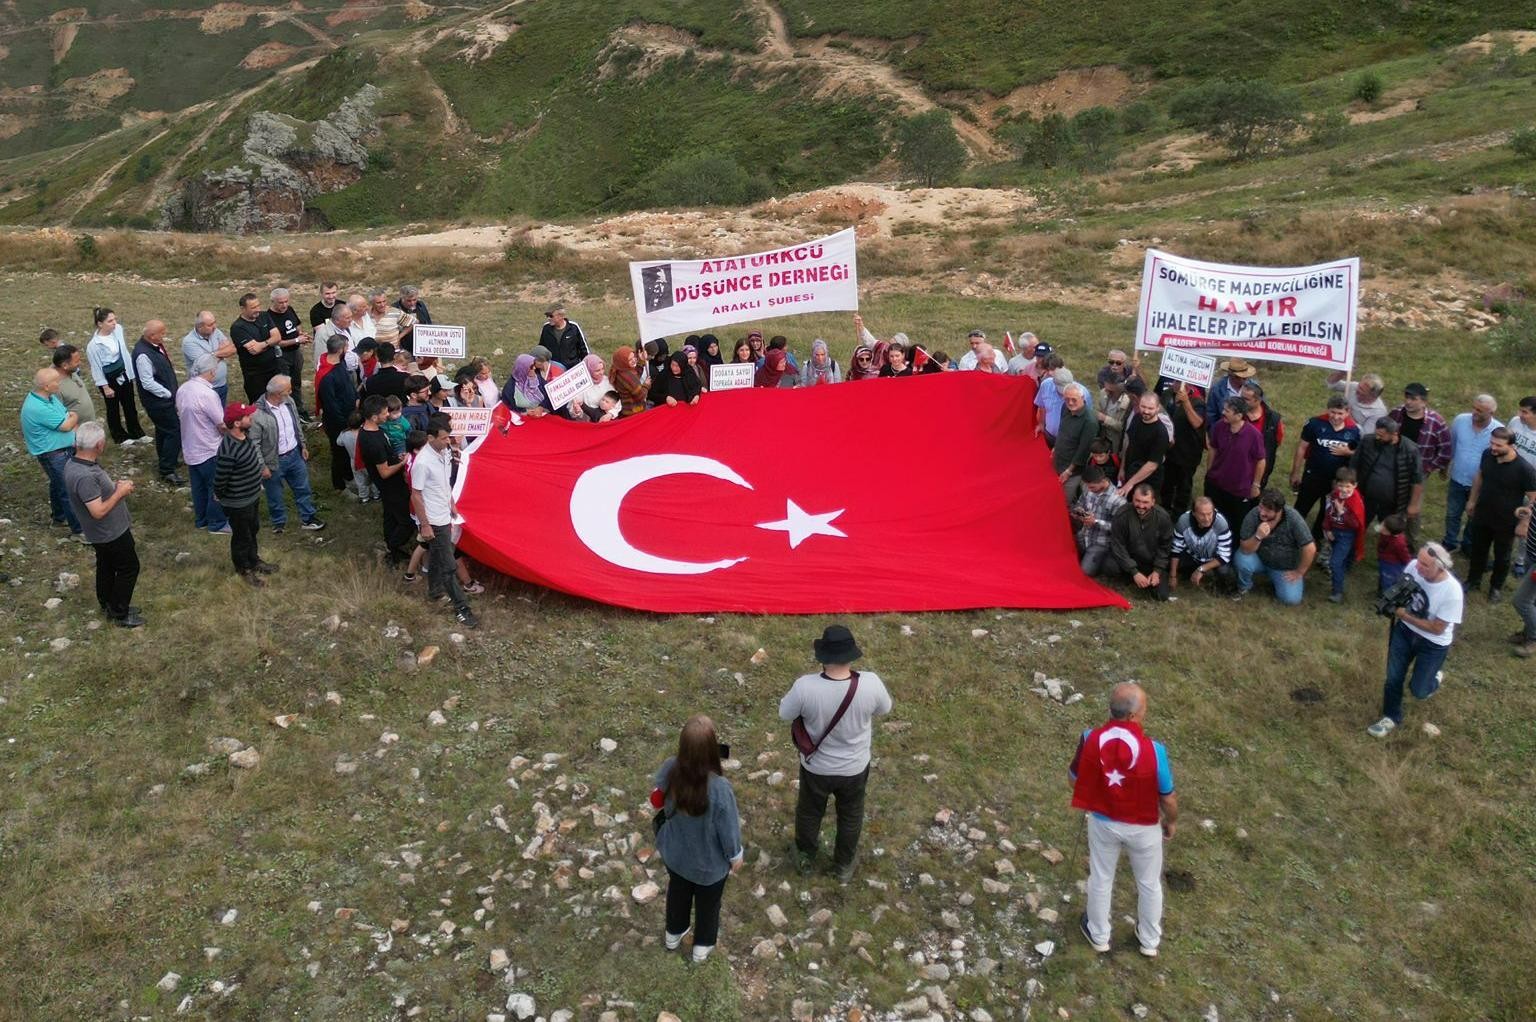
{"points": [[122, 413], [167, 434], [255, 384], [444, 576], [1313, 491], [815, 789], [117, 572], [244, 523], [293, 367], [1160, 591], [341, 463], [399, 530], [1480, 538], [686, 899], [1230, 506], [1178, 488]]}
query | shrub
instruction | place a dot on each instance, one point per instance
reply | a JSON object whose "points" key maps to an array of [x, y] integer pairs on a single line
{"points": [[1138, 117], [86, 248], [1515, 336], [1328, 129], [1368, 87], [1523, 142], [1048, 142], [1248, 117], [1097, 130], [705, 179], [928, 148]]}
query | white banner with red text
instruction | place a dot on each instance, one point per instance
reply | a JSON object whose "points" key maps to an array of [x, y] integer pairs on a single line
{"points": [[1301, 314], [688, 296]]}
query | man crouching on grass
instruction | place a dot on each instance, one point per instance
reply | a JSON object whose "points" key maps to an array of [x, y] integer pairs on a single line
{"points": [[432, 502]]}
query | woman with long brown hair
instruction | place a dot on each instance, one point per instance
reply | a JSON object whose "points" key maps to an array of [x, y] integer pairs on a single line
{"points": [[700, 835]]}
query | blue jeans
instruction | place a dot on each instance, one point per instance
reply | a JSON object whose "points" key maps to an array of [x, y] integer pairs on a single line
{"points": [[207, 511], [1404, 647], [1388, 574], [1340, 558], [223, 391], [58, 498], [1455, 507], [293, 470], [1249, 566]]}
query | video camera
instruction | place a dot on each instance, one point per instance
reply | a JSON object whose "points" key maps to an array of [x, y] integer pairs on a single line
{"points": [[1399, 594]]}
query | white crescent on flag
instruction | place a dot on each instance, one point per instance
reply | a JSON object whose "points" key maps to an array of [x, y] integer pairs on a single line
{"points": [[1119, 734]]}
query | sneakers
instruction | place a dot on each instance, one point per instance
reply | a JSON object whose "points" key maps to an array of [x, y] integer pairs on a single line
{"points": [[1383, 727], [1147, 952], [844, 874], [675, 940], [466, 617], [278, 530], [313, 525], [253, 579], [1239, 594], [409, 576], [1082, 925], [474, 588], [1525, 650], [1517, 637], [701, 953], [804, 864], [1335, 597], [129, 620], [173, 480], [264, 568], [222, 532]]}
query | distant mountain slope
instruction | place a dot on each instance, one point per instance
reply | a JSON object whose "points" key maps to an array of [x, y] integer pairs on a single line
{"points": [[121, 113]]}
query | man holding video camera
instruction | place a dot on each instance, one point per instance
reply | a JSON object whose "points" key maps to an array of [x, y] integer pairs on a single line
{"points": [[1425, 607]]}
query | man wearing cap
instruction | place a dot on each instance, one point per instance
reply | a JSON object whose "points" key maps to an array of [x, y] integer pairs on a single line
{"points": [[1328, 442], [201, 415], [969, 360], [1238, 372], [276, 432], [157, 393], [563, 337], [1363, 397], [1421, 635], [1426, 427], [1471, 435], [1274, 541], [237, 485], [1036, 369], [837, 707], [1504, 483], [1388, 471], [101, 506], [205, 338], [1124, 782]]}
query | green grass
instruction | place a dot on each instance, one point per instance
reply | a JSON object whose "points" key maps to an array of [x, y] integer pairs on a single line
{"points": [[1366, 886]]}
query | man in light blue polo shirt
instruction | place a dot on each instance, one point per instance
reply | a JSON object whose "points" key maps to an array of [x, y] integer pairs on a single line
{"points": [[1471, 433], [49, 430]]}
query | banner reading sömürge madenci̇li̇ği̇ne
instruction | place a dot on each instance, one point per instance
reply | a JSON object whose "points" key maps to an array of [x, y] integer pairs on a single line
{"points": [[685, 296], [1301, 314]]}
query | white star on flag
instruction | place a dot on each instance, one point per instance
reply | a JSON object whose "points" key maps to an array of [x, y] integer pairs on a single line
{"points": [[1114, 777], [802, 526]]}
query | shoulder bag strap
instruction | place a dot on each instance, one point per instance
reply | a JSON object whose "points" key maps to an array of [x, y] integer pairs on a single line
{"points": [[853, 687]]}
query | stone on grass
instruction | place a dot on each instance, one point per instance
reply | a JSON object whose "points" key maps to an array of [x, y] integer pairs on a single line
{"points": [[457, 638], [345, 765], [765, 949], [1431, 730], [1046, 948], [333, 698], [777, 917], [607, 745], [245, 759], [979, 633], [52, 603], [426, 656], [667, 1016], [332, 623], [821, 917], [499, 959], [436, 719], [225, 746], [168, 981], [995, 886], [760, 656], [229, 917], [1051, 855], [285, 720], [938, 971], [521, 1006], [645, 893]]}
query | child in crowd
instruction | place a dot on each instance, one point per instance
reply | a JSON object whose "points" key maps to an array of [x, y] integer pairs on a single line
{"points": [[609, 405], [397, 425], [1344, 527], [362, 487], [1392, 553], [367, 354], [1101, 453]]}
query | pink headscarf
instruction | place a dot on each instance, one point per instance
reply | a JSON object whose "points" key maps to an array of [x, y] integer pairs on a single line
{"points": [[594, 364]]}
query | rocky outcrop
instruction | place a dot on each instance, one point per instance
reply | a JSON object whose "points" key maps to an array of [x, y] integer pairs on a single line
{"points": [[284, 163]]}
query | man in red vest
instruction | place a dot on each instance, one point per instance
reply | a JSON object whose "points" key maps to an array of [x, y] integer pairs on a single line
{"points": [[1123, 780]]}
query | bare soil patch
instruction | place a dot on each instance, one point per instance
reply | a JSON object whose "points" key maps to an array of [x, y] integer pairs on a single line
{"points": [[89, 94], [63, 39], [1367, 116], [483, 38], [225, 17], [1524, 41], [271, 54], [1068, 93]]}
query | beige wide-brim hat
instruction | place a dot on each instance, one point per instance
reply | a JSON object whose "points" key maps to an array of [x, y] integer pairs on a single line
{"points": [[1238, 367]]}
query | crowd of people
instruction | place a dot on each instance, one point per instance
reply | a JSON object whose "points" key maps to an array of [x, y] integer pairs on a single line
{"points": [[1127, 448]]}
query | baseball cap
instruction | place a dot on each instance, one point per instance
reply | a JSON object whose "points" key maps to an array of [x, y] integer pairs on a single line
{"points": [[1416, 390], [235, 411]]}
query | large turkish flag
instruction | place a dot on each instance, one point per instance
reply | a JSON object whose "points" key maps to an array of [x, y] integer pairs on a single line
{"points": [[924, 493]]}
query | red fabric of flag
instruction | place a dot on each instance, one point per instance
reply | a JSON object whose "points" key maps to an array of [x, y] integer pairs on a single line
{"points": [[920, 493]]}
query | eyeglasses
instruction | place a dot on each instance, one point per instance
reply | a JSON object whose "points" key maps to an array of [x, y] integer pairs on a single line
{"points": [[1117, 362]]}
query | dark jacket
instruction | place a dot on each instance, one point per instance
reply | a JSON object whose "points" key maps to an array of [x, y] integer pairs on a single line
{"points": [[165, 374], [1141, 544], [568, 346], [1406, 468], [338, 398], [1271, 434]]}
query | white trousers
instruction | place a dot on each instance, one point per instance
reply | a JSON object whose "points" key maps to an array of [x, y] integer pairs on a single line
{"points": [[1143, 844]]}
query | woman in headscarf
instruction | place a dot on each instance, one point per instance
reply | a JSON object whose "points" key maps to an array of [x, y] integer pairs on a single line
{"points": [[743, 354], [625, 377], [773, 370], [679, 382], [466, 390], [590, 400], [524, 391], [699, 372], [755, 342], [867, 367], [821, 368], [709, 357], [658, 354]]}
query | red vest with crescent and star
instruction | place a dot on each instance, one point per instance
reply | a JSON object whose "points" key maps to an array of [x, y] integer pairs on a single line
{"points": [[1116, 768]]}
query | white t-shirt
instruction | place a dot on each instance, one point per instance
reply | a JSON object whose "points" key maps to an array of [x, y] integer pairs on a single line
{"points": [[431, 477], [844, 752], [1442, 600], [1524, 440], [489, 391]]}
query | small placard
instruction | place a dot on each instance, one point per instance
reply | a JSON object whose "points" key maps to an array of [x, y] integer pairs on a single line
{"points": [[469, 421], [732, 376], [438, 341], [568, 385], [1182, 365]]}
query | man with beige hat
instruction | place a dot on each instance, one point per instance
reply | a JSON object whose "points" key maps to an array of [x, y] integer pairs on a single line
{"points": [[1238, 372]]}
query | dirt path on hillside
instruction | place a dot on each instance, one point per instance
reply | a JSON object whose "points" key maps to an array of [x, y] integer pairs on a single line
{"points": [[81, 199]]}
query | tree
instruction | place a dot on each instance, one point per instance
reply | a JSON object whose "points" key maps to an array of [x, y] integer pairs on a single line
{"points": [[1097, 130], [1368, 87], [1523, 142], [1138, 117], [1247, 117], [928, 148], [1048, 142]]}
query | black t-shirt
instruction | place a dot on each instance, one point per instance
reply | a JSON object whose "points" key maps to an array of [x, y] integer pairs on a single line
{"points": [[1411, 428], [1145, 441], [374, 448], [318, 313], [1505, 484], [1188, 445], [388, 380], [288, 324], [243, 331]]}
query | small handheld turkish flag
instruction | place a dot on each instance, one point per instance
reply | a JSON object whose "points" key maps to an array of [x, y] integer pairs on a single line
{"points": [[920, 358], [670, 511]]}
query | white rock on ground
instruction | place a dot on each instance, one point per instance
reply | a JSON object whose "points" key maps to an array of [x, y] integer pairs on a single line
{"points": [[1046, 948], [521, 1006], [436, 719], [245, 759], [607, 745], [777, 917], [645, 893], [168, 981], [499, 959], [228, 918]]}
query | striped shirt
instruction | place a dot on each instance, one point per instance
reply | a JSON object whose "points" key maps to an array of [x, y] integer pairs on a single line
{"points": [[1212, 544], [237, 478]]}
